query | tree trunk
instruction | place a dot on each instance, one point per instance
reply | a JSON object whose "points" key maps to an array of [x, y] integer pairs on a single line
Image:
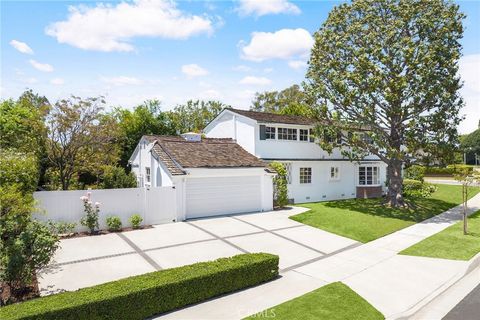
{"points": [[395, 181]]}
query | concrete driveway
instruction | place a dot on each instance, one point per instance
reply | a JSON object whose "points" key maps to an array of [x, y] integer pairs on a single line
{"points": [[87, 261]]}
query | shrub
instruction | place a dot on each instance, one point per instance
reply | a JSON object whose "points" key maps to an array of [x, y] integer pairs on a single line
{"points": [[417, 189], [449, 170], [61, 227], [26, 245], [19, 169], [116, 177], [136, 221], [114, 223], [90, 220], [415, 172], [143, 296], [280, 190]]}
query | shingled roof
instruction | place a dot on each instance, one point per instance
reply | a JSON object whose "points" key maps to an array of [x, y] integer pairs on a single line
{"points": [[266, 117], [177, 153]]}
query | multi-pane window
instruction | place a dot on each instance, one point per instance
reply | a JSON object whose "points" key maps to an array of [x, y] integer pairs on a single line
{"points": [[288, 169], [287, 134], [334, 173], [303, 135], [147, 174], [305, 175], [269, 133], [368, 175]]}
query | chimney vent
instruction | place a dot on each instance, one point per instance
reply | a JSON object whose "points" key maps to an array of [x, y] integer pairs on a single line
{"points": [[192, 136]]}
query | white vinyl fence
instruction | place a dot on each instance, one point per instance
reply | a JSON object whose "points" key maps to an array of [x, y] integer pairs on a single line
{"points": [[154, 205]]}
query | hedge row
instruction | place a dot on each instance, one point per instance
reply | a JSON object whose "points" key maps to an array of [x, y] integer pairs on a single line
{"points": [[143, 296], [449, 170]]}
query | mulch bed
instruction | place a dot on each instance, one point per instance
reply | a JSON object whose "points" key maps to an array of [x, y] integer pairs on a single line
{"points": [[100, 232], [30, 292]]}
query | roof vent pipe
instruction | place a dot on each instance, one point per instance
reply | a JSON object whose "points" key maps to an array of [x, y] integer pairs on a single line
{"points": [[192, 136]]}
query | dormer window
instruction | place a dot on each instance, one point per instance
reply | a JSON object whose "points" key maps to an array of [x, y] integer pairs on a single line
{"points": [[270, 133], [287, 134]]}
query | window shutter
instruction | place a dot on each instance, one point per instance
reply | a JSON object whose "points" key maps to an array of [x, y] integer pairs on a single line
{"points": [[262, 132]]}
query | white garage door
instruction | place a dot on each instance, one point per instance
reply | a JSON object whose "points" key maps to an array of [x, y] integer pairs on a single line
{"points": [[222, 195]]}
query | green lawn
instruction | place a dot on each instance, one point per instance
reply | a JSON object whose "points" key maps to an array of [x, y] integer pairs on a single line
{"points": [[365, 220], [450, 243], [332, 302]]}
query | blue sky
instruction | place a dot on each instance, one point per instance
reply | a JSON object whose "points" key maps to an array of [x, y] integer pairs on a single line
{"points": [[174, 51]]}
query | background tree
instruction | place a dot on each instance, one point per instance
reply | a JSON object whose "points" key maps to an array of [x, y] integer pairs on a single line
{"points": [[146, 118], [194, 115], [470, 146], [389, 67], [116, 177], [81, 138], [291, 100]]}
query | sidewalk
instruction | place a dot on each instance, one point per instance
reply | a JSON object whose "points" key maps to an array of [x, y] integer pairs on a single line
{"points": [[392, 283]]}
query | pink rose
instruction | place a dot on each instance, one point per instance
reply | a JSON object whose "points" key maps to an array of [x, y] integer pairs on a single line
{"points": [[83, 198], [97, 204]]}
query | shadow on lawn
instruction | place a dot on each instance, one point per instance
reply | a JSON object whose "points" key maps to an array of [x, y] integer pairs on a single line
{"points": [[421, 208]]}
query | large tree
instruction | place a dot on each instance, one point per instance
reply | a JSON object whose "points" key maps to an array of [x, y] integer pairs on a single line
{"points": [[194, 115], [81, 138], [388, 68], [146, 118], [292, 100]]}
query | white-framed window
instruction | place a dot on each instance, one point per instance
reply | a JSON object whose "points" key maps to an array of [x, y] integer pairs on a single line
{"points": [[287, 134], [288, 169], [305, 175], [270, 133], [368, 175], [334, 173], [147, 174], [303, 135]]}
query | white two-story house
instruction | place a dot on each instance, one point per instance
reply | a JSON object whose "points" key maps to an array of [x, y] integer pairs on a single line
{"points": [[312, 173]]}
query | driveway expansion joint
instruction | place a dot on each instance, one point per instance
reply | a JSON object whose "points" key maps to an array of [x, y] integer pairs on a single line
{"points": [[218, 237], [145, 256]]}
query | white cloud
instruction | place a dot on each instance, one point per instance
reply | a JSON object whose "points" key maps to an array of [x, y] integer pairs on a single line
{"points": [[264, 7], [242, 68], [469, 66], [21, 46], [30, 80], [193, 70], [107, 27], [258, 81], [57, 81], [282, 44], [121, 81], [297, 64], [45, 67], [210, 94]]}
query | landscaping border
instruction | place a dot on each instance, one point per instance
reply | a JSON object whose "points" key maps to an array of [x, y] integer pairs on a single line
{"points": [[153, 293]]}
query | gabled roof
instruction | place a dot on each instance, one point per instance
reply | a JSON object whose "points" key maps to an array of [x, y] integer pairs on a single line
{"points": [[266, 117], [177, 154]]}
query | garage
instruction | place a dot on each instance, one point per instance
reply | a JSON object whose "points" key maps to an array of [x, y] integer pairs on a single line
{"points": [[212, 196]]}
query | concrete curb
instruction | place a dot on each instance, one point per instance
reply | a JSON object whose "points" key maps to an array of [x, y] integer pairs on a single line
{"points": [[471, 265]]}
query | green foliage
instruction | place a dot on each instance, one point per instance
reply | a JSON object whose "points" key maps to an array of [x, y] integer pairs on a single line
{"points": [[280, 190], [292, 101], [26, 245], [114, 223], [194, 115], [415, 172], [143, 296], [389, 68], [61, 227], [136, 221], [417, 188], [81, 139], [448, 170], [90, 219], [335, 301], [146, 118], [471, 142], [19, 169], [116, 177]]}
